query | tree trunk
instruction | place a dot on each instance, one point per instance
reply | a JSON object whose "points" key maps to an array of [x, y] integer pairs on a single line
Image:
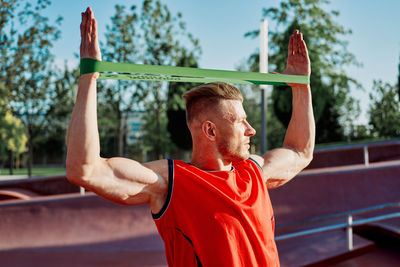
{"points": [[11, 156], [120, 134], [398, 83], [17, 164], [30, 148], [158, 125], [120, 137]]}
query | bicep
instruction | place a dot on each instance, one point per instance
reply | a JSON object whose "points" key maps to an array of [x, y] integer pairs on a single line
{"points": [[280, 165], [126, 181]]}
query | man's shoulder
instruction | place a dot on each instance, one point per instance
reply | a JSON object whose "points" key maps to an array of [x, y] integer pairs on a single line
{"points": [[257, 159], [159, 166], [253, 159]]}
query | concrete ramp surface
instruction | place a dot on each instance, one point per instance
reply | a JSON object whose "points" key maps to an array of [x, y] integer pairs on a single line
{"points": [[73, 230], [52, 225]]}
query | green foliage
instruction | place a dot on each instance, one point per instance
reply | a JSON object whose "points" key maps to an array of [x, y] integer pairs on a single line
{"points": [[12, 136], [166, 43], [122, 45], [275, 129], [252, 106], [176, 113], [60, 96], [12, 132], [384, 110], [37, 171], [150, 35], [156, 131], [328, 53], [27, 61]]}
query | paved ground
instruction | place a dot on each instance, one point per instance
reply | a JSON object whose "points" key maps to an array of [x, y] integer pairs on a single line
{"points": [[12, 177], [73, 230]]}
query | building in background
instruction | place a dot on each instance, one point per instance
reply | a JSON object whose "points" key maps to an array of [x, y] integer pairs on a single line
{"points": [[134, 124]]}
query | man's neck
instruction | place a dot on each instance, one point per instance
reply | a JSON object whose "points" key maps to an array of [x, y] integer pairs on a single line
{"points": [[210, 162]]}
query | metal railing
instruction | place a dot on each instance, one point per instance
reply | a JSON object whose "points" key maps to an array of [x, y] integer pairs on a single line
{"points": [[364, 146], [348, 225]]}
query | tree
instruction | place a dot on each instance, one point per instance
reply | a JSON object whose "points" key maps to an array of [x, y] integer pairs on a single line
{"points": [[384, 110], [163, 36], [122, 41], [61, 97], [176, 113], [328, 54], [7, 9], [28, 73], [7, 37], [150, 36], [398, 83], [12, 135], [252, 105]]}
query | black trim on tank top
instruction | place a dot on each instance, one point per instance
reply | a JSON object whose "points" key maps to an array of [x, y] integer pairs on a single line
{"points": [[170, 187], [256, 164], [199, 264]]}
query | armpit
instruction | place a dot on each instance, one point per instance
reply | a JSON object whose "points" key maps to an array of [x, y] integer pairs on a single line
{"points": [[273, 183]]}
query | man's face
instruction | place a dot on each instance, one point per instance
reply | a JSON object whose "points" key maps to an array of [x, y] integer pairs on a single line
{"points": [[234, 132]]}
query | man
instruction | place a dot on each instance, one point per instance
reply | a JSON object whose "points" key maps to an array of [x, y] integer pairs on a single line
{"points": [[215, 210]]}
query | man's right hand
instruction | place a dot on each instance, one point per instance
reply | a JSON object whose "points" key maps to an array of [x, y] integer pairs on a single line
{"points": [[298, 61], [89, 37], [120, 180]]}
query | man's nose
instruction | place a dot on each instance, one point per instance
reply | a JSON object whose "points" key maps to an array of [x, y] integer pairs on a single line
{"points": [[250, 131]]}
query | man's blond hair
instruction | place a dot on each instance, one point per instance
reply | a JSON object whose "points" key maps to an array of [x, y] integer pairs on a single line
{"points": [[208, 96]]}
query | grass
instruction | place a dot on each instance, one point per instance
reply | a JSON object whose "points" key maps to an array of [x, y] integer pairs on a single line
{"points": [[354, 142], [35, 171]]}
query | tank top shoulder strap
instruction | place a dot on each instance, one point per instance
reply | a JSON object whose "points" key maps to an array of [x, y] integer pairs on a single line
{"points": [[164, 208]]}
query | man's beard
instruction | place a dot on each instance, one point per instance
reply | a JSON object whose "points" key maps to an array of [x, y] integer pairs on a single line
{"points": [[230, 154]]}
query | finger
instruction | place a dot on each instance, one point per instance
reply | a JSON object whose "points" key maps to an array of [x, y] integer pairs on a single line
{"points": [[90, 26], [90, 13], [85, 17], [290, 49], [296, 42], [82, 25], [301, 44], [299, 41], [93, 24], [84, 29], [85, 25], [304, 50], [94, 30]]}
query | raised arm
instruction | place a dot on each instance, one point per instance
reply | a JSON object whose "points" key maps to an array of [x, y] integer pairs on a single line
{"points": [[282, 164], [120, 180]]}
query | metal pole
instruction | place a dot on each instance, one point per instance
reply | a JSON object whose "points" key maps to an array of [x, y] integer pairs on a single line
{"points": [[263, 123], [349, 232], [264, 92], [398, 81], [366, 156]]}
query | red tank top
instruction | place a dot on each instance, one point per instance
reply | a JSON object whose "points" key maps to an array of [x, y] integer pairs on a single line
{"points": [[217, 218]]}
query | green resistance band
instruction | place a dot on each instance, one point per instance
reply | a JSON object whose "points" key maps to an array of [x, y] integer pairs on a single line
{"points": [[128, 71]]}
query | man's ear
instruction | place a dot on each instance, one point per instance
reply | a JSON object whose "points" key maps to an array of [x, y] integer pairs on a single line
{"points": [[209, 130]]}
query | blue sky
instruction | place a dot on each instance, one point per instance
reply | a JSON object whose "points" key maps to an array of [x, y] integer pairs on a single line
{"points": [[220, 26]]}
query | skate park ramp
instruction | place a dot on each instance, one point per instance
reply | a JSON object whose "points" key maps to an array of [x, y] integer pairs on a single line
{"points": [[56, 226], [74, 230]]}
